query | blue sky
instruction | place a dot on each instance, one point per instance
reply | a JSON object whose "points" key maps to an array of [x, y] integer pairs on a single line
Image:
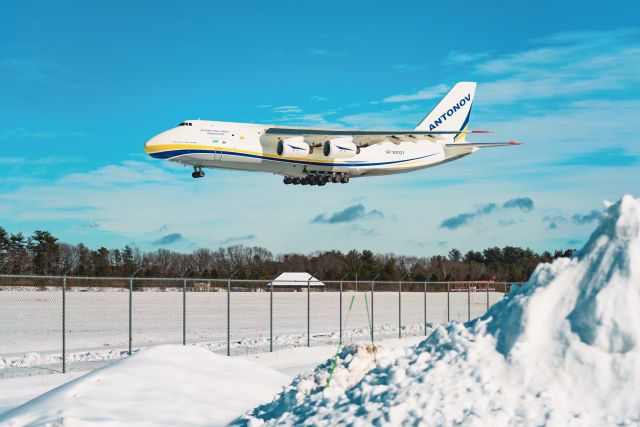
{"points": [[84, 85]]}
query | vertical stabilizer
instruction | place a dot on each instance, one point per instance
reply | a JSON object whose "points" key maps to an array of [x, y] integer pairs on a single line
{"points": [[452, 112]]}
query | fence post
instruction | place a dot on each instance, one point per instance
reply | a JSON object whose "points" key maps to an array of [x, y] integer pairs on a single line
{"points": [[340, 339], [271, 317], [400, 309], [425, 308], [64, 324], [468, 301], [309, 312], [372, 324], [131, 309], [448, 303], [229, 316], [372, 333], [130, 314], [487, 285], [231, 276], [400, 304], [184, 312]]}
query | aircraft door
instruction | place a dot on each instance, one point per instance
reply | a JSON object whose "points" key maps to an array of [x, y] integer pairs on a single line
{"points": [[222, 149], [217, 151]]}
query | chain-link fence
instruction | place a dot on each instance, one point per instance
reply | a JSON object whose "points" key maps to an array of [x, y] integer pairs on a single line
{"points": [[56, 324]]}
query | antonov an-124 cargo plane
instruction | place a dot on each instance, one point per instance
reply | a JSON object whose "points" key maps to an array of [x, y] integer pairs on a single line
{"points": [[311, 156]]}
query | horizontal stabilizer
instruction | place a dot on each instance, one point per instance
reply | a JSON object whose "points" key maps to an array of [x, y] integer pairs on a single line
{"points": [[482, 144]]}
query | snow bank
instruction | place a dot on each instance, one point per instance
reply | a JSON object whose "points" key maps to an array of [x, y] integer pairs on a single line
{"points": [[328, 380], [562, 350], [165, 385]]}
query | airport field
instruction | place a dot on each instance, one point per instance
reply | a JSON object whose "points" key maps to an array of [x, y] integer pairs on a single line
{"points": [[97, 322]]}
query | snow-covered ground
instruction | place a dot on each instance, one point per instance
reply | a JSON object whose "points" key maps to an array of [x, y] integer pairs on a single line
{"points": [[166, 385], [16, 391], [563, 350], [97, 322]]}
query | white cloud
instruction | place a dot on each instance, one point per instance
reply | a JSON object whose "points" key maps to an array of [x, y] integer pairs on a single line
{"points": [[132, 199], [458, 57], [562, 65], [18, 161], [23, 133], [427, 93], [287, 109], [377, 120], [574, 64], [12, 160]]}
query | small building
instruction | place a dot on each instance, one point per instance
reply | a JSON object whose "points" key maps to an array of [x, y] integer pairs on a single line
{"points": [[295, 282], [202, 286]]}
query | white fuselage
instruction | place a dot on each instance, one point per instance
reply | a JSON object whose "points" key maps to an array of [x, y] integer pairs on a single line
{"points": [[244, 146]]}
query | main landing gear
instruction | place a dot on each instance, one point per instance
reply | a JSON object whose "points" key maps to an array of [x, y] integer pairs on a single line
{"points": [[197, 172], [317, 179]]}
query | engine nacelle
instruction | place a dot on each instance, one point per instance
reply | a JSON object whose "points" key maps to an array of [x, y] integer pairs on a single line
{"points": [[294, 146], [340, 148]]}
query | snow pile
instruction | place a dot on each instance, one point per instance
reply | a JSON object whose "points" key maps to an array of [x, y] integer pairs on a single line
{"points": [[562, 350], [327, 381], [165, 385]]}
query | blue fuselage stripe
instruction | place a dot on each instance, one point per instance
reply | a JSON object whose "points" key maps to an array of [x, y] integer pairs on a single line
{"points": [[175, 153]]}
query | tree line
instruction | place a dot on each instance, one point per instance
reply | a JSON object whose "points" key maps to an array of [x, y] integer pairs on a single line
{"points": [[43, 254]]}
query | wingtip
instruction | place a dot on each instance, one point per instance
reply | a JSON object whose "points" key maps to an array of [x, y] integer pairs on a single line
{"points": [[515, 143], [481, 131]]}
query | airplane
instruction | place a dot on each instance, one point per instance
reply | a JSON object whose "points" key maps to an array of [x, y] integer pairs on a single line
{"points": [[312, 156]]}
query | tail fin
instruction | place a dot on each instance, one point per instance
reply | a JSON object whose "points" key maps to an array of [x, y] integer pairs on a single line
{"points": [[452, 112]]}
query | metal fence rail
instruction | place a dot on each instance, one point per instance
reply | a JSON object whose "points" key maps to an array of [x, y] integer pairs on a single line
{"points": [[56, 324]]}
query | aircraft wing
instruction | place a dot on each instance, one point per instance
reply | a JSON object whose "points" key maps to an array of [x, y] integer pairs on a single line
{"points": [[362, 138]]}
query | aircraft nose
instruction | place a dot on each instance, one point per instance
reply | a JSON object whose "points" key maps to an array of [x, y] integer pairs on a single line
{"points": [[153, 142]]}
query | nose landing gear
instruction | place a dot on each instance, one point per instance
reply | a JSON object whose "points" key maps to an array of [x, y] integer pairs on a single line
{"points": [[197, 172]]}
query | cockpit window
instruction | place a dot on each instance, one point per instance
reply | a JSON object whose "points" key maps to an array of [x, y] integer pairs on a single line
{"points": [[185, 124]]}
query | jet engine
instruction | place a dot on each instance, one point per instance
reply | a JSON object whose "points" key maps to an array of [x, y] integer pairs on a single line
{"points": [[340, 148], [294, 146]]}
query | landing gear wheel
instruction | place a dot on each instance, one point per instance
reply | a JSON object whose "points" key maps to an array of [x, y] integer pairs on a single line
{"points": [[197, 172], [344, 179], [296, 181], [287, 180], [334, 179]]}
